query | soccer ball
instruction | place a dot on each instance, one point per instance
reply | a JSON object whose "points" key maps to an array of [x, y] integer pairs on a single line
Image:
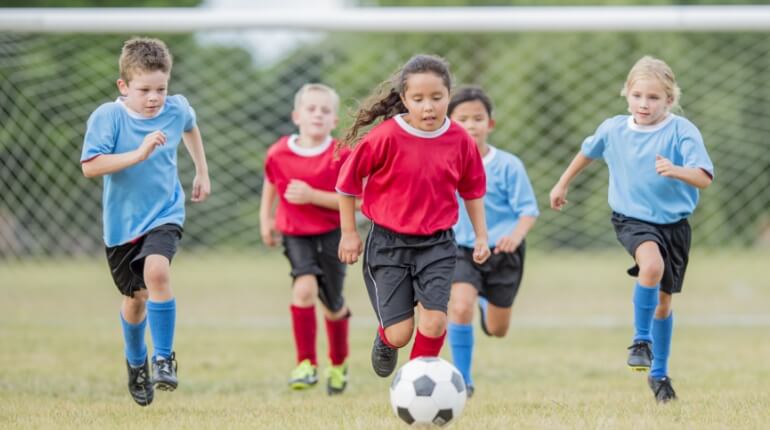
{"points": [[427, 390]]}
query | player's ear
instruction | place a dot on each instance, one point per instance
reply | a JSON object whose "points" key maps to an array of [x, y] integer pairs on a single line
{"points": [[122, 87], [491, 123], [295, 117]]}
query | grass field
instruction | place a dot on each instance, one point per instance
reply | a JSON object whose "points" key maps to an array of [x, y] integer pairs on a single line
{"points": [[562, 365]]}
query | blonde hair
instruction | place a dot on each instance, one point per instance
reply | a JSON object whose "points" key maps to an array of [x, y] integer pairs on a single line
{"points": [[316, 87], [652, 68], [141, 54]]}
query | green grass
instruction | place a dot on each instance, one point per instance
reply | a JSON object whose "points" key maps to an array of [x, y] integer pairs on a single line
{"points": [[561, 366]]}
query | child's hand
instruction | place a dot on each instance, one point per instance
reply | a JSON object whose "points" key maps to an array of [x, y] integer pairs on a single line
{"points": [[350, 247], [151, 141], [664, 166], [480, 251], [268, 232], [299, 192], [558, 197], [201, 188], [509, 243]]}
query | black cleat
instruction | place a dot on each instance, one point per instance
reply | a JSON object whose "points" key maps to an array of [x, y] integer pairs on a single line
{"points": [[164, 371], [469, 391], [139, 384], [384, 358], [662, 389], [640, 356]]}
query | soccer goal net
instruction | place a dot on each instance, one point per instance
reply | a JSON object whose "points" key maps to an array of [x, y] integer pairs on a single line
{"points": [[553, 74]]}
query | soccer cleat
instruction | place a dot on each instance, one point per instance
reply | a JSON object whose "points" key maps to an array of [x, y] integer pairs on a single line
{"points": [[384, 358], [164, 373], [662, 389], [640, 356], [483, 315], [305, 375], [469, 391], [139, 384], [336, 379]]}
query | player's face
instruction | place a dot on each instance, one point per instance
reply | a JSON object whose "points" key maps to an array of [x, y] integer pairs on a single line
{"points": [[473, 116], [647, 101], [146, 92], [426, 98], [316, 115]]}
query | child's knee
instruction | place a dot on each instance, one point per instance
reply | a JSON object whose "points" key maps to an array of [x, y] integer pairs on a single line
{"points": [[652, 268], [304, 290], [157, 276], [400, 334], [461, 310]]}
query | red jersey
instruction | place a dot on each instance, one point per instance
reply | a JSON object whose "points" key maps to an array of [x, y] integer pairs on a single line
{"points": [[285, 161], [413, 175]]}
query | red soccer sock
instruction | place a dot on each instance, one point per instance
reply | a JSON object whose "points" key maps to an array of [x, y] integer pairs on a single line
{"points": [[337, 333], [304, 327], [425, 346], [383, 338]]}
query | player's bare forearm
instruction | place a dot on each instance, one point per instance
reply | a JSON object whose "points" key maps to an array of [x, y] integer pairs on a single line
{"points": [[475, 209], [347, 206], [558, 194], [267, 202], [523, 227], [694, 176], [194, 144], [106, 164], [325, 199]]}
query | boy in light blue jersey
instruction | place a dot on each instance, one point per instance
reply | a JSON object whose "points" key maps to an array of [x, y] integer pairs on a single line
{"points": [[657, 163], [511, 211], [132, 143]]}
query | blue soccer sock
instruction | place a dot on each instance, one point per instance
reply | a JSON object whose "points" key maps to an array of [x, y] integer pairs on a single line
{"points": [[461, 344], [645, 302], [133, 338], [662, 331], [162, 316], [484, 305]]}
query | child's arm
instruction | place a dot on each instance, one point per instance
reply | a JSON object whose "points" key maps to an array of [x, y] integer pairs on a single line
{"points": [[694, 176], [300, 193], [106, 164], [266, 220], [511, 242], [559, 192], [201, 184], [350, 242], [475, 209]]}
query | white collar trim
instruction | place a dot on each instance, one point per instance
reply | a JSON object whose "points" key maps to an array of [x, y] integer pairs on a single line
{"points": [[649, 128], [421, 133], [136, 115], [490, 155], [308, 152]]}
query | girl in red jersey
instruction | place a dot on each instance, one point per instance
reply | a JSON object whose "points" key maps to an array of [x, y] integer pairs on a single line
{"points": [[413, 162], [301, 171]]}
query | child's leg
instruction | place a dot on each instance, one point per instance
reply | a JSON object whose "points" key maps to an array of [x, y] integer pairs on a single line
{"points": [[651, 267], [303, 317], [662, 329], [431, 331], [337, 329], [498, 319], [161, 306], [460, 331], [133, 320]]}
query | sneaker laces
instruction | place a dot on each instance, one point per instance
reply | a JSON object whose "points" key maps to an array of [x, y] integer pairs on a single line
{"points": [[140, 375], [639, 346], [665, 388], [165, 364]]}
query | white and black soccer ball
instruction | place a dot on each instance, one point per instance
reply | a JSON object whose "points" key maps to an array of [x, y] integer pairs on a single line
{"points": [[428, 390]]}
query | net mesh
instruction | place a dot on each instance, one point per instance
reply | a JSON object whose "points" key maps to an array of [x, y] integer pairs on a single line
{"points": [[550, 91]]}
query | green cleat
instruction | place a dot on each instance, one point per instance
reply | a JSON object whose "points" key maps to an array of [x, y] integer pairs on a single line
{"points": [[336, 379], [304, 376]]}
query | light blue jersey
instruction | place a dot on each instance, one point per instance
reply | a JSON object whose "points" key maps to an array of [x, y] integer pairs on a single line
{"points": [[148, 194], [636, 190], [509, 197]]}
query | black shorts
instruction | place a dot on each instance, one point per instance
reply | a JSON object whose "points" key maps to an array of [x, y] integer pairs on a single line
{"points": [[498, 279], [317, 255], [672, 239], [401, 270], [127, 261]]}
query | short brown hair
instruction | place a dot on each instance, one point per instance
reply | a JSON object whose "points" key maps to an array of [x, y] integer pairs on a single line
{"points": [[143, 55]]}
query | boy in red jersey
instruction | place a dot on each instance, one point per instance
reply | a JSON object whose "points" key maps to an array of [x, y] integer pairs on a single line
{"points": [[301, 172], [415, 162]]}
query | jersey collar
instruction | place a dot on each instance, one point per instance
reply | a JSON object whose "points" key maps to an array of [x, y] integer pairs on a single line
{"points": [[490, 155], [308, 152], [649, 128], [421, 133], [136, 115]]}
